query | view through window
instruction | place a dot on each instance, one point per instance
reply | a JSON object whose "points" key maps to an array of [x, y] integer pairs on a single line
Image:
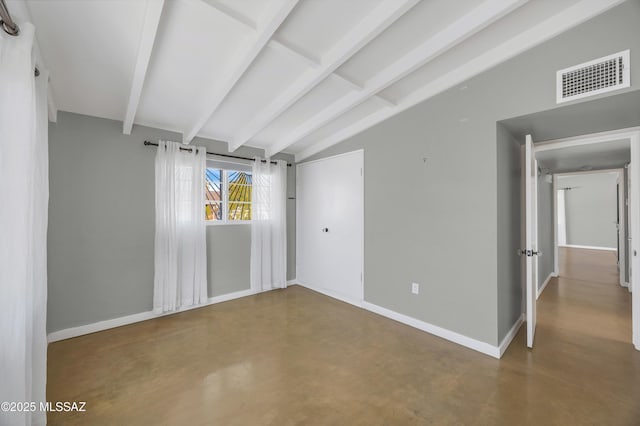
{"points": [[228, 195]]}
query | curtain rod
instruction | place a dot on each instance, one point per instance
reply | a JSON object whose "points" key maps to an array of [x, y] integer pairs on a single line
{"points": [[8, 25], [213, 153]]}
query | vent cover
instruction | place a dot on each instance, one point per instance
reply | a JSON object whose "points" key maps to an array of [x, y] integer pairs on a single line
{"points": [[593, 77]]}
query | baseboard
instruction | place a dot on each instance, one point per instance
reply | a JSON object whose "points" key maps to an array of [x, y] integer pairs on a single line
{"points": [[485, 348], [444, 333], [511, 334], [590, 247], [544, 284], [292, 282], [331, 294], [452, 336], [68, 333]]}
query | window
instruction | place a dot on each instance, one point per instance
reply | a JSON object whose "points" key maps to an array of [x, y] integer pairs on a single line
{"points": [[228, 194]]}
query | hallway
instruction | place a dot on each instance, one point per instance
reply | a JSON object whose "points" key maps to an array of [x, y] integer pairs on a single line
{"points": [[582, 345], [586, 299]]}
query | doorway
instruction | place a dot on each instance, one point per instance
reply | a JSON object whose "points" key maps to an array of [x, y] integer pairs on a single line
{"points": [[539, 166], [590, 257], [591, 213]]}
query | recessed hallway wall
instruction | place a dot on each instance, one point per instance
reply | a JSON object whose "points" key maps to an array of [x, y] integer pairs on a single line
{"points": [[591, 206]]}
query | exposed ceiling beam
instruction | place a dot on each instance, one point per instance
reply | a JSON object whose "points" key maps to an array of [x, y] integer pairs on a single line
{"points": [[371, 26], [545, 30], [233, 14], [286, 47], [246, 55], [385, 100], [360, 87], [316, 63], [351, 82], [276, 43], [296, 52], [480, 17], [145, 47]]}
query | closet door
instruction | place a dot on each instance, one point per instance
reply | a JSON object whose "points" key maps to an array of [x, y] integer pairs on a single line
{"points": [[330, 225], [312, 244]]}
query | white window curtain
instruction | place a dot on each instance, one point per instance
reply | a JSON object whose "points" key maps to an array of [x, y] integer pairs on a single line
{"points": [[180, 276], [24, 191], [269, 225], [562, 219]]}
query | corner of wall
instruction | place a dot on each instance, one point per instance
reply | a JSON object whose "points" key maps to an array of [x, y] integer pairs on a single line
{"points": [[508, 220]]}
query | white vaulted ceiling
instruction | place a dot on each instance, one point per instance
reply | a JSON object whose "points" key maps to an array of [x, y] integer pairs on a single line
{"points": [[284, 75]]}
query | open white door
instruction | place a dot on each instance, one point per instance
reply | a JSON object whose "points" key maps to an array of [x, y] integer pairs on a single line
{"points": [[629, 243], [634, 246], [531, 237]]}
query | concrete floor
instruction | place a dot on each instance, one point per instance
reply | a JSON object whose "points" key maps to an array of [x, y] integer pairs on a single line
{"points": [[297, 357]]}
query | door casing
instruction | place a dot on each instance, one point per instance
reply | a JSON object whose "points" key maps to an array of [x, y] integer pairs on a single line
{"points": [[633, 135]]}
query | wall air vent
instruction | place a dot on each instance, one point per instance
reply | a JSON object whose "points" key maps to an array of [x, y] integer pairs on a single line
{"points": [[593, 77]]}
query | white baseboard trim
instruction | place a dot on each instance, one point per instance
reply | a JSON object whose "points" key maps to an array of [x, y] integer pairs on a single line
{"points": [[444, 333], [292, 282], [589, 247], [68, 333], [511, 334], [332, 294], [544, 284]]}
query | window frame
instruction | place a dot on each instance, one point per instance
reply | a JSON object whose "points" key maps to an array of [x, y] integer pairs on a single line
{"points": [[224, 199]]}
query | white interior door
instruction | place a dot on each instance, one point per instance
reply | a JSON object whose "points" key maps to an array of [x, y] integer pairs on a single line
{"points": [[632, 228], [561, 219], [634, 243], [531, 237], [330, 219], [621, 229]]}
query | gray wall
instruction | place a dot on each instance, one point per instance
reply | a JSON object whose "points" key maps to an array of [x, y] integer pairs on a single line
{"points": [[509, 180], [228, 258], [591, 209], [101, 223], [447, 236], [546, 243]]}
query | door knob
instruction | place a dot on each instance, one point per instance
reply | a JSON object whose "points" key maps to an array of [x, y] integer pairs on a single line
{"points": [[528, 253], [325, 229]]}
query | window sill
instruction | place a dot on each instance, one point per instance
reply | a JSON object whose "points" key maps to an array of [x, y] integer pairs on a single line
{"points": [[220, 223]]}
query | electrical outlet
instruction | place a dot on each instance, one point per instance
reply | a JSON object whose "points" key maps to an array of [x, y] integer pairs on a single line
{"points": [[415, 288]]}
